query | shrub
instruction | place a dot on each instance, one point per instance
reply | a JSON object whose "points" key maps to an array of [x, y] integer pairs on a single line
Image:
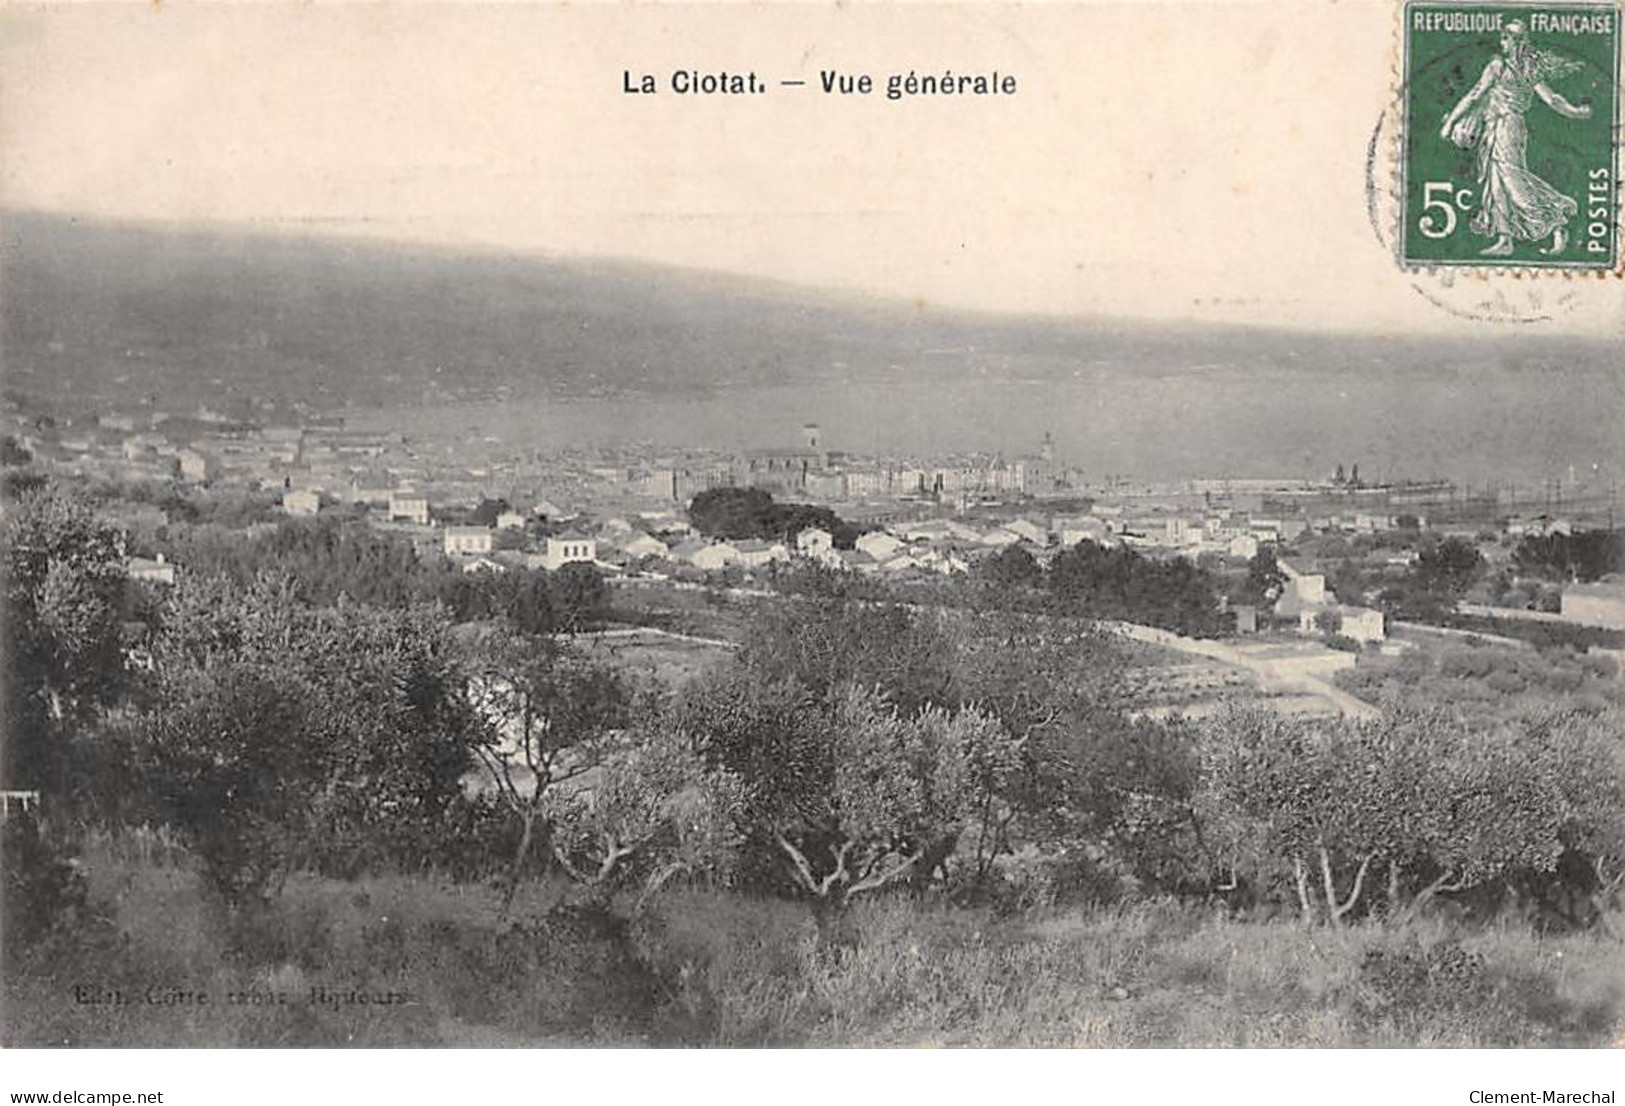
{"points": [[44, 894], [1321, 810]]}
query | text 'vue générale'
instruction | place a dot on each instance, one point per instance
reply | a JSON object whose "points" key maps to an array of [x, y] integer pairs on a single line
{"points": [[904, 84]]}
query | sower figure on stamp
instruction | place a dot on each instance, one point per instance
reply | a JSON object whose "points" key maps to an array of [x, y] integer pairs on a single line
{"points": [[1514, 203]]}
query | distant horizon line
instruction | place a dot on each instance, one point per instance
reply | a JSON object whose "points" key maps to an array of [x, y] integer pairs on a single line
{"points": [[293, 230]]}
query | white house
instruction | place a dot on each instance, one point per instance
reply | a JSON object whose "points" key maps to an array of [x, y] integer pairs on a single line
{"points": [[409, 506], [1303, 587], [1361, 623], [714, 556], [196, 468], [305, 501], [1072, 531], [756, 554], [813, 541], [154, 570], [467, 541], [571, 548], [510, 520]]}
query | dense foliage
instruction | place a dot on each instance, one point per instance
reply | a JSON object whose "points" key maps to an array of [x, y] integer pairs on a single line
{"points": [[62, 647], [1422, 802], [332, 557], [1583, 555], [979, 748], [281, 736], [1085, 581], [1121, 584], [736, 513]]}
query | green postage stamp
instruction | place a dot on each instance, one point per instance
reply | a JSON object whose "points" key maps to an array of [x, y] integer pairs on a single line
{"points": [[1510, 154]]}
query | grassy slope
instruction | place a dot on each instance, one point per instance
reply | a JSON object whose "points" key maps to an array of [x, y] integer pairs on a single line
{"points": [[726, 970]]}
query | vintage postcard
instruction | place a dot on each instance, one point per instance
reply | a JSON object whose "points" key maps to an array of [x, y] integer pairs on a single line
{"points": [[1084, 526]]}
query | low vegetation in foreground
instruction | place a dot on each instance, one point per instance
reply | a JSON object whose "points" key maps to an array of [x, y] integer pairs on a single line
{"points": [[411, 961]]}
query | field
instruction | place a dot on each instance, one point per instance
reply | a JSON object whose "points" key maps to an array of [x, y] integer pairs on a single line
{"points": [[1484, 678], [646, 655], [437, 967]]}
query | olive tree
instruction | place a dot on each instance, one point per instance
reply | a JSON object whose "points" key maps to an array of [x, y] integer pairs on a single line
{"points": [[847, 794], [62, 651], [649, 811], [1437, 806], [280, 735], [549, 719]]}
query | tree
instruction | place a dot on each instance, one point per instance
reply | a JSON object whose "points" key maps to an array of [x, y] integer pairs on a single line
{"points": [[1098, 582], [902, 792], [486, 512], [1061, 693], [1264, 577], [850, 795], [580, 596], [733, 513], [549, 719], [281, 736], [1450, 567], [63, 654], [823, 644], [654, 810], [1435, 804], [326, 557], [233, 760], [1561, 558], [1272, 803], [1012, 567], [751, 513]]}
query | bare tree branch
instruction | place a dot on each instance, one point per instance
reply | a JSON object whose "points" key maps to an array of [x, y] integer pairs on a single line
{"points": [[874, 881], [1442, 885], [802, 868], [839, 875], [1335, 909], [1305, 905], [570, 869]]}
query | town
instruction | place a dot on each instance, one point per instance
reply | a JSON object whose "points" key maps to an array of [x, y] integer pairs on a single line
{"points": [[562, 679], [487, 508]]}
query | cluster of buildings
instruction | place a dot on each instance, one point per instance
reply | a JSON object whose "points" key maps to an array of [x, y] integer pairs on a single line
{"points": [[919, 516], [1311, 608], [323, 455], [808, 470]]}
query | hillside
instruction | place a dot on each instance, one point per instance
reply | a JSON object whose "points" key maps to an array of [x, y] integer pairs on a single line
{"points": [[99, 314], [96, 309]]}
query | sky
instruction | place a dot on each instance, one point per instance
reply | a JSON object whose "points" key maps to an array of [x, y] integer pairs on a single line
{"points": [[1161, 160]]}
